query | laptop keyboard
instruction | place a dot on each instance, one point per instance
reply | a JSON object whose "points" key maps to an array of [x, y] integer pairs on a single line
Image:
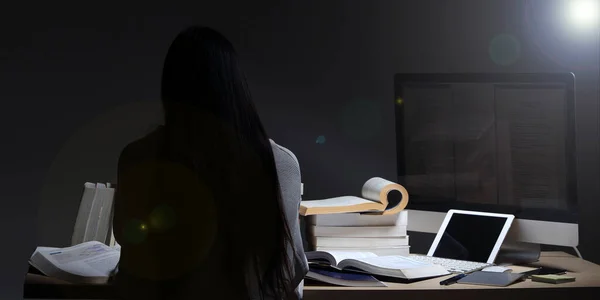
{"points": [[452, 265]]}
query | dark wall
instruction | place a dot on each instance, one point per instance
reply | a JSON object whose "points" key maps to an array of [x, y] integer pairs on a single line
{"points": [[77, 87]]}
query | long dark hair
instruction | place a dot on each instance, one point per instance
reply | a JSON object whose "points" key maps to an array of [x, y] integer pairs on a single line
{"points": [[212, 126]]}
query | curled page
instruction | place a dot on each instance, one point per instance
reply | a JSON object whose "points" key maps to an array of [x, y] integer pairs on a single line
{"points": [[379, 188]]}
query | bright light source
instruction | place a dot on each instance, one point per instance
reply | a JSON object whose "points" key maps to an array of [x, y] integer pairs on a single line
{"points": [[584, 13]]}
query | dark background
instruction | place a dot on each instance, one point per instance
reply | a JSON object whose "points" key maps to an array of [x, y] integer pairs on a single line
{"points": [[78, 82]]}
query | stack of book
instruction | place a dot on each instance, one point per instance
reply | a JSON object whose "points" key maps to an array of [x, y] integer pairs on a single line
{"points": [[371, 223], [378, 234]]}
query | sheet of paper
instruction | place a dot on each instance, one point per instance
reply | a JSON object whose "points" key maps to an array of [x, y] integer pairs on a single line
{"points": [[341, 255], [95, 259], [44, 249]]}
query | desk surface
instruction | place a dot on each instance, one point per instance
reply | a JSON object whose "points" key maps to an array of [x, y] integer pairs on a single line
{"points": [[587, 275], [587, 285]]}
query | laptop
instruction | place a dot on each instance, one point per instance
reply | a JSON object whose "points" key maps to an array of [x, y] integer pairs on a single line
{"points": [[468, 241]]}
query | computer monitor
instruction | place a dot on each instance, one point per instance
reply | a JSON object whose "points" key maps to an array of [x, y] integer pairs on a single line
{"points": [[501, 143]]}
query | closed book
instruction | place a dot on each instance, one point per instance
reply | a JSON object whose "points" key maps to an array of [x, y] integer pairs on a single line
{"points": [[379, 251], [552, 278], [94, 218], [105, 194], [353, 231], [359, 242], [83, 215], [358, 220]]}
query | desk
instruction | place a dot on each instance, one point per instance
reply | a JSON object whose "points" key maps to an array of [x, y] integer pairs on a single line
{"points": [[587, 286]]}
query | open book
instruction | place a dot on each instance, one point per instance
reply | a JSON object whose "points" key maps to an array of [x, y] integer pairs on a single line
{"points": [[388, 266], [374, 200], [90, 262], [342, 278]]}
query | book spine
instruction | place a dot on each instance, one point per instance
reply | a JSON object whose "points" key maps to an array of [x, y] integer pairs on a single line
{"points": [[358, 220], [359, 242], [383, 251], [353, 231]]}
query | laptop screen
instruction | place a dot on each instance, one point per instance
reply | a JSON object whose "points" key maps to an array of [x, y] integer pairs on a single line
{"points": [[470, 237]]}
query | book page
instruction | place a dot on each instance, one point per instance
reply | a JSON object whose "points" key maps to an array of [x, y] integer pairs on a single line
{"points": [[390, 262], [372, 188], [43, 249], [336, 202], [377, 189], [341, 255], [88, 259]]}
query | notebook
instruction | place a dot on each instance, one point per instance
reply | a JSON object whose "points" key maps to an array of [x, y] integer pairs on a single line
{"points": [[552, 278]]}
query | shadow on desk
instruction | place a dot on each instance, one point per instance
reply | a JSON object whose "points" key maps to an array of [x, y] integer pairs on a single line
{"points": [[553, 293], [43, 287]]}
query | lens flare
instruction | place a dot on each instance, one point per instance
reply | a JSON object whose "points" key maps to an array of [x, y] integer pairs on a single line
{"points": [[505, 49], [135, 231], [162, 218], [321, 139], [584, 13]]}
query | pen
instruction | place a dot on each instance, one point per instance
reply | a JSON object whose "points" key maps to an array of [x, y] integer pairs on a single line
{"points": [[453, 279]]}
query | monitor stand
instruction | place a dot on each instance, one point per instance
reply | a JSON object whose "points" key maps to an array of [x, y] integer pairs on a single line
{"points": [[513, 252]]}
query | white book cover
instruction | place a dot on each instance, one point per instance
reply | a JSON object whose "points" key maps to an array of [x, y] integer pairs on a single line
{"points": [[94, 216], [359, 242], [383, 251], [103, 228], [358, 219], [353, 231], [83, 214]]}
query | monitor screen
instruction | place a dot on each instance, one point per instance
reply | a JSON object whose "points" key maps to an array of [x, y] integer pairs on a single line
{"points": [[495, 143], [469, 237]]}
